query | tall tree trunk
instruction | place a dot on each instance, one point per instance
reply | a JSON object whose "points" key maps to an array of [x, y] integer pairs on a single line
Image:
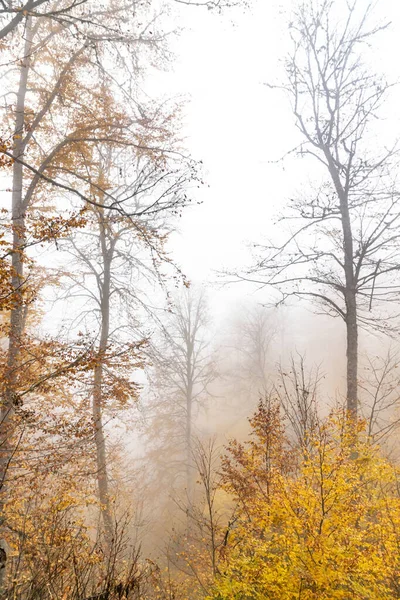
{"points": [[352, 355], [97, 406], [350, 292], [101, 457], [189, 417], [189, 450], [17, 312], [351, 311]]}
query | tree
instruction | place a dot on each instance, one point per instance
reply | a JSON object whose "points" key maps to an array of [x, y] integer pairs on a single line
{"points": [[296, 392], [343, 247], [320, 525], [75, 76], [67, 111], [379, 386], [16, 14], [183, 371], [55, 550], [114, 263], [250, 342]]}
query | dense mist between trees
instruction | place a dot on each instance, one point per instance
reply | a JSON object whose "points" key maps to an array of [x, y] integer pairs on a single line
{"points": [[199, 295]]}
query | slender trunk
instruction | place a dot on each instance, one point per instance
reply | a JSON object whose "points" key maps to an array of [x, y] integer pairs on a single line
{"points": [[97, 405], [189, 417], [352, 354], [350, 292], [351, 314], [188, 443], [351, 311], [101, 457], [17, 281]]}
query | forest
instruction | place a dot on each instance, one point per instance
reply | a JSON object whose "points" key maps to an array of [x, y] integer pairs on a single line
{"points": [[199, 296]]}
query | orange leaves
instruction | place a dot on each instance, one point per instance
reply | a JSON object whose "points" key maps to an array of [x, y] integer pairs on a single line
{"points": [[5, 161], [118, 362], [46, 365], [249, 469], [48, 536], [56, 227]]}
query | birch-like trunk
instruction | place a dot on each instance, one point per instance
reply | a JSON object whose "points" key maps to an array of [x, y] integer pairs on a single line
{"points": [[17, 313], [98, 401]]}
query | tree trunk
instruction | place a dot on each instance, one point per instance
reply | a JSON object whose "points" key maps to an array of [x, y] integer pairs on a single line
{"points": [[101, 457], [189, 457], [189, 416], [352, 355], [350, 292], [351, 312], [17, 312], [97, 407]]}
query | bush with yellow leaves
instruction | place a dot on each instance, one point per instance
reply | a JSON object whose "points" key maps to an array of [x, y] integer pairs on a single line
{"points": [[314, 523]]}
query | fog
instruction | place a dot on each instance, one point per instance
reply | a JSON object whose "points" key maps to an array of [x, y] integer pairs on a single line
{"points": [[200, 291]]}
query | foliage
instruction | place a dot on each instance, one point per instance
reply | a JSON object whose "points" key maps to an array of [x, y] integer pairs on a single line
{"points": [[322, 522], [98, 174]]}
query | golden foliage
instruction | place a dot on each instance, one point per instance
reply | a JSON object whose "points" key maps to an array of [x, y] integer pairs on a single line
{"points": [[324, 526]]}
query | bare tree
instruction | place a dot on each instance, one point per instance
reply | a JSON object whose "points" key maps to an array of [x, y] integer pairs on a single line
{"points": [[208, 517], [251, 338], [344, 245], [381, 399], [111, 262], [296, 391], [183, 371], [198, 554]]}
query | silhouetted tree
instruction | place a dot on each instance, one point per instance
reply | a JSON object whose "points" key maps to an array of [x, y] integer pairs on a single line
{"points": [[343, 251], [183, 371]]}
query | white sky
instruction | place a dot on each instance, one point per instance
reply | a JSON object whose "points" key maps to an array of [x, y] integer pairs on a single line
{"points": [[236, 125]]}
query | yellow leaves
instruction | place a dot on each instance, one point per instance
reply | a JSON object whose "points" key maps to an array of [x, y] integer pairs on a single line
{"points": [[327, 529]]}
